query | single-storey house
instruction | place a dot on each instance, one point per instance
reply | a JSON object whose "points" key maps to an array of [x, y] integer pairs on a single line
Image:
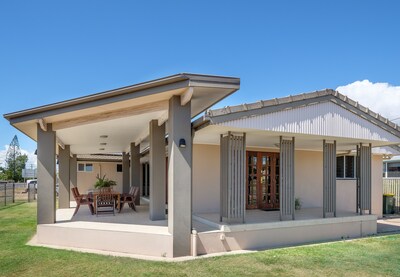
{"points": [[284, 171], [391, 168]]}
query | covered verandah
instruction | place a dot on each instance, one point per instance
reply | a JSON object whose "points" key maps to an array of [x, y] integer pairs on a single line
{"points": [[307, 134], [130, 120]]}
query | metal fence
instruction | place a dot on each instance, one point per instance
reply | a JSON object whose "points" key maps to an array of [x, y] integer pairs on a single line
{"points": [[392, 185], [16, 192]]}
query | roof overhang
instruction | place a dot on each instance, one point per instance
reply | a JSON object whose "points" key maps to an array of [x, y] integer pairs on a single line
{"points": [[122, 114]]}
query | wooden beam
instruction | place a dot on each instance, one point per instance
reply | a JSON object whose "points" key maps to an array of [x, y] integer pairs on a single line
{"points": [[43, 124], [186, 96], [143, 135], [163, 118], [109, 115], [60, 143]]}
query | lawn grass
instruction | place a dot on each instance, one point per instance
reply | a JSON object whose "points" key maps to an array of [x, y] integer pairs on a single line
{"points": [[365, 257]]}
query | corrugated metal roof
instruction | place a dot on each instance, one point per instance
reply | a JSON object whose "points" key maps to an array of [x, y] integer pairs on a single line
{"points": [[294, 101]]}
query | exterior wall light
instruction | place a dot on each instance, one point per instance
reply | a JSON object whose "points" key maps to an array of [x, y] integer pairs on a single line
{"points": [[182, 143]]}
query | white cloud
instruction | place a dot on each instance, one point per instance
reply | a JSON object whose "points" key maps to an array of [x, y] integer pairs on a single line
{"points": [[382, 98], [32, 161]]}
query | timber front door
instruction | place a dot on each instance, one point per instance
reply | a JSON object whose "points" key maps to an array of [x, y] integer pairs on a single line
{"points": [[262, 180]]}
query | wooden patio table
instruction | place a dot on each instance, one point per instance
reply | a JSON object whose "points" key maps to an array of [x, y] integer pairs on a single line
{"points": [[94, 193]]}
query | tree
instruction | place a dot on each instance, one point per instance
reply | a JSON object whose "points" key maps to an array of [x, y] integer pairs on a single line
{"points": [[3, 175], [15, 161]]}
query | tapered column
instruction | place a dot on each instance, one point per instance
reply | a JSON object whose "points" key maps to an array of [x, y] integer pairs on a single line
{"points": [[329, 176], [157, 171], [73, 178], [46, 160], [135, 169], [286, 175], [125, 173], [179, 176], [64, 177]]}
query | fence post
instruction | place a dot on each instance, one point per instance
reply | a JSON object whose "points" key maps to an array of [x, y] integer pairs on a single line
{"points": [[5, 194], [13, 194]]}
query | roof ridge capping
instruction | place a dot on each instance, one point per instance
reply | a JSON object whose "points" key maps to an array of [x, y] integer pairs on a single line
{"points": [[270, 102], [327, 94]]}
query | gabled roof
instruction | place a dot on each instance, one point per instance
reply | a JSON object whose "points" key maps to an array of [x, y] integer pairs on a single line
{"points": [[186, 79], [290, 102], [122, 115]]}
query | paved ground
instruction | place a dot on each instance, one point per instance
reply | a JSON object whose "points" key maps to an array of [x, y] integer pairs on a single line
{"points": [[389, 224]]}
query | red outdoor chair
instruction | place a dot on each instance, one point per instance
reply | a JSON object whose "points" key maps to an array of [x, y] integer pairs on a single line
{"points": [[129, 198], [82, 199]]}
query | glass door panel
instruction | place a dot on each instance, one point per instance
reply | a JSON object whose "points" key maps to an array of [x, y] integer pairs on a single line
{"points": [[252, 180], [262, 180]]}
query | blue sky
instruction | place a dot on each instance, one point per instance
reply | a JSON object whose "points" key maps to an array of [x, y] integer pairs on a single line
{"points": [[56, 50]]}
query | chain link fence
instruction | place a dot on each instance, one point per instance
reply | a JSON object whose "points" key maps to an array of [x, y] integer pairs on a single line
{"points": [[16, 192]]}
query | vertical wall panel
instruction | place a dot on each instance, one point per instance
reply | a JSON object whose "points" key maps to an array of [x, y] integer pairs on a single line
{"points": [[329, 178], [286, 176], [365, 179], [233, 162]]}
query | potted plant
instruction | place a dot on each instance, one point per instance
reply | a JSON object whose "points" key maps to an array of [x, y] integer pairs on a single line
{"points": [[103, 182], [297, 203]]}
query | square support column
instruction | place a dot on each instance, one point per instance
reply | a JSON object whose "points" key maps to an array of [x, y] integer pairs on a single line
{"points": [[73, 174], [64, 177], [286, 179], [125, 173], [46, 160], [135, 169], [157, 171], [180, 176]]}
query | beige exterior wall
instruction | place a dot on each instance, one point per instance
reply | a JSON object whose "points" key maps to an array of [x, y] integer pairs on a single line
{"points": [[86, 180], [308, 178], [377, 185], [206, 178], [308, 181]]}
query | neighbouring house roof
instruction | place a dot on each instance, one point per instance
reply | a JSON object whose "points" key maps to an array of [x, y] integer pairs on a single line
{"points": [[395, 159]]}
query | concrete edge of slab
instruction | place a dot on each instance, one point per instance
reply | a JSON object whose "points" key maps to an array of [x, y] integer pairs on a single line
{"points": [[34, 242]]}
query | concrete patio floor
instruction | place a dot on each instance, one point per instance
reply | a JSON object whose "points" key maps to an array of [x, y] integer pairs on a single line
{"points": [[389, 224], [134, 221]]}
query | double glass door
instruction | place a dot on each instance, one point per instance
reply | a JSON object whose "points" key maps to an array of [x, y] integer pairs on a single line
{"points": [[262, 180]]}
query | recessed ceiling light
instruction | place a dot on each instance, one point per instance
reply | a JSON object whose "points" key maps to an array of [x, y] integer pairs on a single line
{"points": [[103, 143], [103, 136], [102, 149]]}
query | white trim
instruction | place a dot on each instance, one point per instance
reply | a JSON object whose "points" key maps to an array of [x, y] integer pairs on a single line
{"points": [[85, 165]]}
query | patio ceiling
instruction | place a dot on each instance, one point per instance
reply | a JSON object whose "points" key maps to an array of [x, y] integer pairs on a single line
{"points": [[108, 122], [268, 139]]}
